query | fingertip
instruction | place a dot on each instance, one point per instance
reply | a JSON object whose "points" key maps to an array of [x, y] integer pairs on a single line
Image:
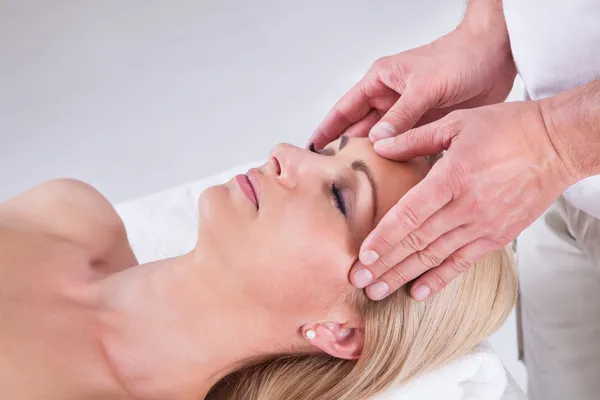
{"points": [[361, 277], [382, 130], [384, 143], [378, 290], [420, 292], [368, 257]]}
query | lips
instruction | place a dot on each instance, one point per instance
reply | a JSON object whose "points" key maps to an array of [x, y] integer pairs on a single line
{"points": [[249, 185]]}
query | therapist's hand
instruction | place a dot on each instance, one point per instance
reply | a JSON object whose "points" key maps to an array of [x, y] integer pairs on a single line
{"points": [[501, 170], [469, 67]]}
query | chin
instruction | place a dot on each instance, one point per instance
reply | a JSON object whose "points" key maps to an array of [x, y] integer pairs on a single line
{"points": [[213, 205], [220, 223], [218, 213]]}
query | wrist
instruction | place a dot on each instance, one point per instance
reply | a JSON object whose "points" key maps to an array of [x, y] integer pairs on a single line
{"points": [[572, 120]]}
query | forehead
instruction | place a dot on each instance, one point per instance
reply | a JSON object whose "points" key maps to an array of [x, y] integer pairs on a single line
{"points": [[393, 178]]}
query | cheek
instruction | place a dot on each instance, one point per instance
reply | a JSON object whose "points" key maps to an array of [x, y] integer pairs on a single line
{"points": [[304, 267]]}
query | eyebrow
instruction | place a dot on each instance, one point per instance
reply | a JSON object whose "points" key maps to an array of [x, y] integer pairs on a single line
{"points": [[343, 142], [361, 166], [329, 152]]}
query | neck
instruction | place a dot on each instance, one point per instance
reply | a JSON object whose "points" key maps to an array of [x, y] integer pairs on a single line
{"points": [[175, 327]]}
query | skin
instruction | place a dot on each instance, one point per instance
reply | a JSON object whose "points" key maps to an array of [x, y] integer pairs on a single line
{"points": [[81, 318], [504, 163]]}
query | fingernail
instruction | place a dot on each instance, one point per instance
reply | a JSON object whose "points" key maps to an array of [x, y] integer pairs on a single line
{"points": [[421, 293], [378, 290], [362, 278], [382, 130], [368, 257], [383, 143]]}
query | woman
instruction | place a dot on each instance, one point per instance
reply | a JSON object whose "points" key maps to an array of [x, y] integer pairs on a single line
{"points": [[261, 308]]}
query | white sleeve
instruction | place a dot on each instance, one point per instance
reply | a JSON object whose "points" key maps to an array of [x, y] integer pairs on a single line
{"points": [[585, 195]]}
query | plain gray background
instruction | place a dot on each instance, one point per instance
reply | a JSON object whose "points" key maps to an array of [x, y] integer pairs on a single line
{"points": [[138, 96]]}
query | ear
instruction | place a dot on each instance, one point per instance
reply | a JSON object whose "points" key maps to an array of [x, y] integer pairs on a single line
{"points": [[340, 340]]}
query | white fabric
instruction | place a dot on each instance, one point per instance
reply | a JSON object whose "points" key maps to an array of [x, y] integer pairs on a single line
{"points": [[556, 46], [475, 376], [559, 263], [165, 225], [585, 195]]}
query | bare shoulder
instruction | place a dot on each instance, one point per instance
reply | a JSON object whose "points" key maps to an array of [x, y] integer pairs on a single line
{"points": [[67, 208]]}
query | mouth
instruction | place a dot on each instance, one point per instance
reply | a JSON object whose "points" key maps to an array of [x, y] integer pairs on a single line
{"points": [[249, 184]]}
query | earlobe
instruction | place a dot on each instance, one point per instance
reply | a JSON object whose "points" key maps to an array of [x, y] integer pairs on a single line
{"points": [[336, 339]]}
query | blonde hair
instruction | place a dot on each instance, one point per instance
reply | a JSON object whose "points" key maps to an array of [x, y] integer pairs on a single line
{"points": [[402, 338]]}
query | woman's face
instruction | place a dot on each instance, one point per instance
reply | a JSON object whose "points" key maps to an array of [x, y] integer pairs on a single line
{"points": [[293, 247]]}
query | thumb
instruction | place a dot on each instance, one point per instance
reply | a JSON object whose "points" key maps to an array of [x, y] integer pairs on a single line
{"points": [[403, 115], [422, 141]]}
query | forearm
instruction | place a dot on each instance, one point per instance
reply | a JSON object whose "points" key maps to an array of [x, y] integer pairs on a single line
{"points": [[572, 120], [486, 17], [484, 20]]}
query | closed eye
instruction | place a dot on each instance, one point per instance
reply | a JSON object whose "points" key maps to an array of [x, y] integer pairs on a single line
{"points": [[336, 192], [338, 198]]}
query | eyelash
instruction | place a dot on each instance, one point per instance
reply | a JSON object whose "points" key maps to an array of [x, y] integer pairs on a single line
{"points": [[336, 193]]}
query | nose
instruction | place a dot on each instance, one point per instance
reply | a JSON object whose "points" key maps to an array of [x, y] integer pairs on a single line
{"points": [[287, 161]]}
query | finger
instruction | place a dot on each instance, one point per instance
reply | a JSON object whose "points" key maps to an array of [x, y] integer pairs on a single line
{"points": [[418, 263], [362, 127], [403, 115], [351, 108], [422, 141], [419, 204], [418, 241], [436, 279]]}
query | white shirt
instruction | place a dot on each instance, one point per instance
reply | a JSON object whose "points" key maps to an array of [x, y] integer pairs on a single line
{"points": [[556, 46]]}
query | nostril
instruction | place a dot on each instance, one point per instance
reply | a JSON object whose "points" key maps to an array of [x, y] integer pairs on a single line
{"points": [[276, 165]]}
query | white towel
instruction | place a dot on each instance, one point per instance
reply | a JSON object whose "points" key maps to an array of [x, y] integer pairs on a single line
{"points": [[165, 225], [478, 375]]}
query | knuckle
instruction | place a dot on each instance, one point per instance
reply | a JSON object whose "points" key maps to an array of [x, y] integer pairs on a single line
{"points": [[340, 114], [429, 258], [447, 129], [486, 231], [385, 264], [385, 242], [392, 73], [414, 241], [439, 281], [407, 217], [411, 136], [475, 206], [364, 88], [380, 63], [402, 111], [460, 264], [397, 277]]}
